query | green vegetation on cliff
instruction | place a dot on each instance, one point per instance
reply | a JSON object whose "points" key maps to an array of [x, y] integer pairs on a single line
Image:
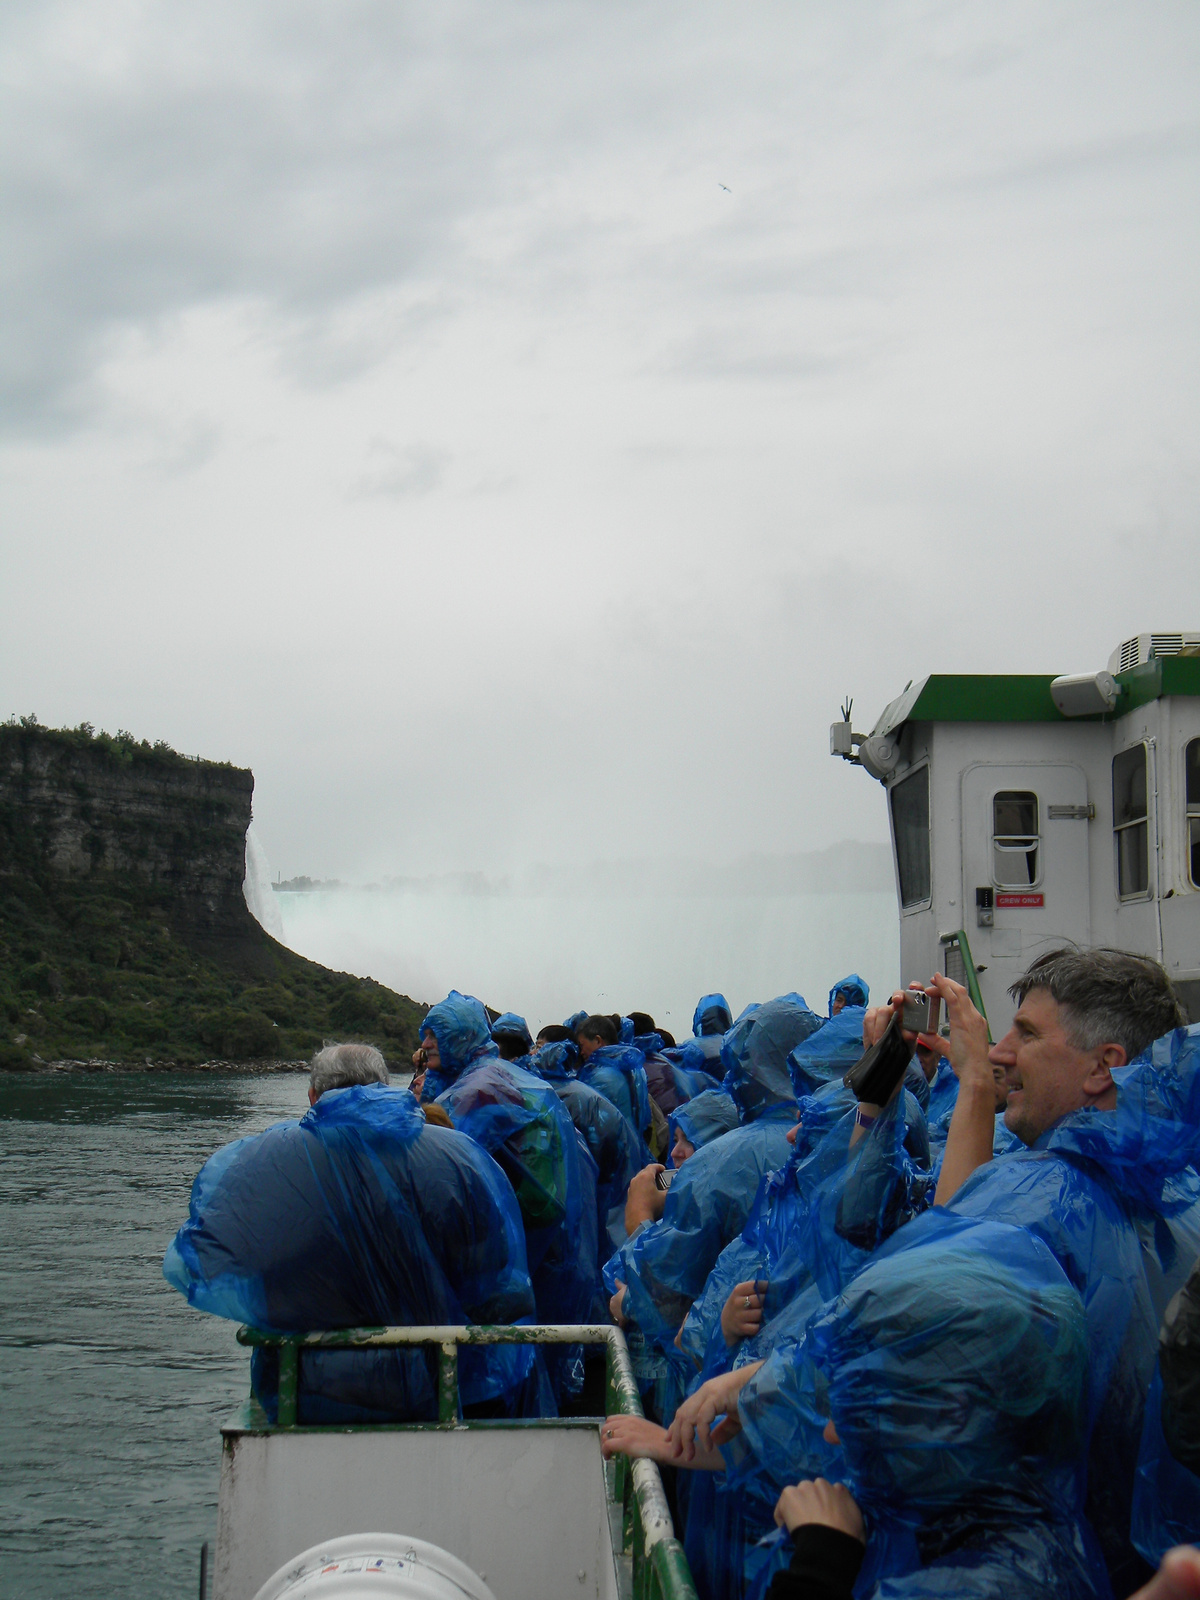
{"points": [[123, 934]]}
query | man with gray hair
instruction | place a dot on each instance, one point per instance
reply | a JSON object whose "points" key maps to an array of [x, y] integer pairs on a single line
{"points": [[1104, 1089], [341, 1066], [1081, 1015], [362, 1213]]}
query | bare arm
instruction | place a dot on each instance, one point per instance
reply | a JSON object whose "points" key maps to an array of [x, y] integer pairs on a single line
{"points": [[973, 1124]]}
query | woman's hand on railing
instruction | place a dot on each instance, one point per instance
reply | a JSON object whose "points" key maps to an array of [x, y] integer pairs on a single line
{"points": [[695, 1422], [635, 1436]]}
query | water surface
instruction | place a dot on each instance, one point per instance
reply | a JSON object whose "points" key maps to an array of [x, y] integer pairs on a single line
{"points": [[112, 1388]]}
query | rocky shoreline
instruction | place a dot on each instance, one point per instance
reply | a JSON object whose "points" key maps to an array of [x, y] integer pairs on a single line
{"points": [[223, 1068]]}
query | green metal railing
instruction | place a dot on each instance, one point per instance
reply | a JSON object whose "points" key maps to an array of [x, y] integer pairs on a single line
{"points": [[646, 1532], [958, 951]]}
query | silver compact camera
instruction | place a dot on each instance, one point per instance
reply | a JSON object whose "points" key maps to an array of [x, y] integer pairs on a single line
{"points": [[922, 1012]]}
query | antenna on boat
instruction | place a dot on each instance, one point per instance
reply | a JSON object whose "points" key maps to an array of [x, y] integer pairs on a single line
{"points": [[847, 708]]}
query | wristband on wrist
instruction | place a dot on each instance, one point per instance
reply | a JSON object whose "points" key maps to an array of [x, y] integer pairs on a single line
{"points": [[863, 1119]]}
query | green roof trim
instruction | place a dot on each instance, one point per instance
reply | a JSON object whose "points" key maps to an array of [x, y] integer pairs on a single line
{"points": [[1165, 675], [1025, 696]]}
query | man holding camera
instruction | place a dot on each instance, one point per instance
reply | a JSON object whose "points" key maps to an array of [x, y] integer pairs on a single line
{"points": [[1090, 1179]]}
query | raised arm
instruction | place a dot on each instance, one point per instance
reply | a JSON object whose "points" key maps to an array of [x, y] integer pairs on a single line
{"points": [[973, 1124]]}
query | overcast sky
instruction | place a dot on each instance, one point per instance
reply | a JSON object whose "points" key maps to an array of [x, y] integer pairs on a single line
{"points": [[511, 428]]}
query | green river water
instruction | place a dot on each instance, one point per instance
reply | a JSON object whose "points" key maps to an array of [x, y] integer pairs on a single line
{"points": [[112, 1388]]}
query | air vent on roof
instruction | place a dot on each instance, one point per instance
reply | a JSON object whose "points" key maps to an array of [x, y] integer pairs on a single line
{"points": [[1144, 647]]}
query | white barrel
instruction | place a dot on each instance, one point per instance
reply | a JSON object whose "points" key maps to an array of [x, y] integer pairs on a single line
{"points": [[386, 1565]]}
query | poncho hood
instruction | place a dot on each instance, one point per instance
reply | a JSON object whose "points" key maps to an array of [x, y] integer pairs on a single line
{"points": [[510, 1026], [856, 990], [459, 1023], [711, 1016], [557, 1062], [705, 1118], [957, 1369], [755, 1053]]}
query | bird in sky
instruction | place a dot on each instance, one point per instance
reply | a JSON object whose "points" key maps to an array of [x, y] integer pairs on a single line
{"points": [[726, 188]]}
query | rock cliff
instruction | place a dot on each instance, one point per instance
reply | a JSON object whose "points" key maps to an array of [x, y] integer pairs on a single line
{"points": [[124, 934]]}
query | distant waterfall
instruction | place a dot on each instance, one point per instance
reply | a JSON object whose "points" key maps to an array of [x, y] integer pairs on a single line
{"points": [[260, 897]]}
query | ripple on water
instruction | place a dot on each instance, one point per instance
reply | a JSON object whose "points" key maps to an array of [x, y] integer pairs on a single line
{"points": [[112, 1388]]}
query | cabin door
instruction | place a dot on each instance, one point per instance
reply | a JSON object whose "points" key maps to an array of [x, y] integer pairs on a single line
{"points": [[1025, 839]]}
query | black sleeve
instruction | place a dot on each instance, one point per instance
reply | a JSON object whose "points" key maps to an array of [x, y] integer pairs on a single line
{"points": [[1179, 1362], [824, 1565]]}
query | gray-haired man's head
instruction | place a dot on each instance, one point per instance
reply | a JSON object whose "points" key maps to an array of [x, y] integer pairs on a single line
{"points": [[340, 1066], [1081, 1014]]}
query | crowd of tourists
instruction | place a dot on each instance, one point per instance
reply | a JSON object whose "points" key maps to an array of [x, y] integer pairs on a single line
{"points": [[945, 1342]]}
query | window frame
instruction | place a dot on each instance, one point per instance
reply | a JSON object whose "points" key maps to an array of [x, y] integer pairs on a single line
{"points": [[1119, 828], [1191, 815], [926, 900], [1013, 838]]}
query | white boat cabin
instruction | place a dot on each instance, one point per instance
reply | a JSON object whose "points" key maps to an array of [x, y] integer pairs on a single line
{"points": [[1029, 811]]}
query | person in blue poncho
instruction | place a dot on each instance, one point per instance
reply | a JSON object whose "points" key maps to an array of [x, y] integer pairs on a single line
{"points": [[360, 1214], [615, 1070], [677, 1236], [698, 1122], [849, 991], [1104, 1182], [696, 1063], [603, 1129], [1166, 1500], [954, 1379], [520, 1120], [661, 1082], [712, 1018], [846, 1187], [1103, 1176], [513, 1038]]}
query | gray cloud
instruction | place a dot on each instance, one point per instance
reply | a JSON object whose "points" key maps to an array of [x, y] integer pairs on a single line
{"points": [[431, 329]]}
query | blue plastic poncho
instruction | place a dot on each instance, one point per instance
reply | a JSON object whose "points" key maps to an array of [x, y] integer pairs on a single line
{"points": [[519, 1119], [957, 1381], [510, 1026], [814, 1223], [1110, 1193], [755, 1054], [661, 1079], [855, 990], [1166, 1497], [1166, 1501], [459, 1024], [665, 1264], [955, 1369], [359, 1215], [703, 1119], [829, 1051], [827, 1055], [618, 1072], [712, 1016], [607, 1135], [696, 1065]]}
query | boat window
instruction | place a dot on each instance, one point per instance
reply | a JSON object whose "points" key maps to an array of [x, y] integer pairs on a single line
{"points": [[1014, 838], [1191, 768], [910, 832], [1131, 825]]}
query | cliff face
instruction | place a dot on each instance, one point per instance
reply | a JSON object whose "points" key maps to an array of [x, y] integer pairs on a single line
{"points": [[124, 934], [79, 809]]}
